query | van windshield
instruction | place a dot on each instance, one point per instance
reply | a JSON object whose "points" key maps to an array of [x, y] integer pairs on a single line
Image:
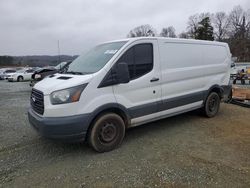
{"points": [[95, 59]]}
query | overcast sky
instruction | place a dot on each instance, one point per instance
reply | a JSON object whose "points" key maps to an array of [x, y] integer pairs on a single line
{"points": [[33, 27]]}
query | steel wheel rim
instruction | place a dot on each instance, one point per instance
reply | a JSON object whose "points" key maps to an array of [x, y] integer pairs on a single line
{"points": [[108, 132], [212, 104]]}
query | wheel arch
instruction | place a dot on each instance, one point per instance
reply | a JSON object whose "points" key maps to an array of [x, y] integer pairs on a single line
{"points": [[215, 88], [20, 76], [114, 108]]}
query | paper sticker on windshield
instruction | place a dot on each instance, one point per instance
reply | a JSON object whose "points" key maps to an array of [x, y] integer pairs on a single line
{"points": [[110, 51]]}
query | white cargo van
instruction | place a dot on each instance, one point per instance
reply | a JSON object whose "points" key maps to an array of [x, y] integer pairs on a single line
{"points": [[125, 83]]}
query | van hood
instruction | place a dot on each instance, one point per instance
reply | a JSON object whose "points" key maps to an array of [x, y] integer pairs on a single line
{"points": [[61, 81]]}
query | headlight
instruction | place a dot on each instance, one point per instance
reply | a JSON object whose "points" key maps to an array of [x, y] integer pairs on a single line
{"points": [[37, 76], [67, 95]]}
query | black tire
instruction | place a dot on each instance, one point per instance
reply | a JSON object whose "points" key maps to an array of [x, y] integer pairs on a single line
{"points": [[212, 105], [107, 132], [19, 78], [243, 82]]}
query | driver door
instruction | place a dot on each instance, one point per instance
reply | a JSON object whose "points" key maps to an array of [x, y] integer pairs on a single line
{"points": [[142, 95]]}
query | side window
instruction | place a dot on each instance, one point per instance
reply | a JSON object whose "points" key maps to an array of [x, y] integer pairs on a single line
{"points": [[29, 71], [128, 57], [143, 54], [139, 59]]}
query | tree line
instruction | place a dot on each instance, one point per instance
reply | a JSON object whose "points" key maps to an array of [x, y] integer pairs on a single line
{"points": [[34, 61], [232, 28], [6, 60]]}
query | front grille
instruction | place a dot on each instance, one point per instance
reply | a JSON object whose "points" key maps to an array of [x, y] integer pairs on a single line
{"points": [[37, 101]]}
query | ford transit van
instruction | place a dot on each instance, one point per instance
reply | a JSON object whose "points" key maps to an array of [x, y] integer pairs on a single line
{"points": [[129, 82]]}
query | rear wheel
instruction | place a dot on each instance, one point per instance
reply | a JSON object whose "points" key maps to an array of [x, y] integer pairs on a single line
{"points": [[107, 132], [19, 78], [212, 105]]}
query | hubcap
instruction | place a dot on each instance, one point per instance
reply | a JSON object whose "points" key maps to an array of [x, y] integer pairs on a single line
{"points": [[108, 132]]}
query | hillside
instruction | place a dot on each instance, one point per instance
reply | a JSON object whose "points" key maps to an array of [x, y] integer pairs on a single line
{"points": [[35, 60]]}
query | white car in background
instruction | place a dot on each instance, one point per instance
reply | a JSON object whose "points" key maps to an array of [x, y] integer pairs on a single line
{"points": [[21, 75], [5, 73]]}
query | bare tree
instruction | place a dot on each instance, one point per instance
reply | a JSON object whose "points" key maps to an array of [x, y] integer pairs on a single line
{"points": [[184, 35], [239, 22], [193, 25], [142, 31], [220, 22], [239, 40], [168, 32]]}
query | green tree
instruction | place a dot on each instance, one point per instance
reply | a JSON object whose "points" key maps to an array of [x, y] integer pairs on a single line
{"points": [[204, 30]]}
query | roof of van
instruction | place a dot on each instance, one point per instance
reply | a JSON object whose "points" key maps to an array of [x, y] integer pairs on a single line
{"points": [[172, 40]]}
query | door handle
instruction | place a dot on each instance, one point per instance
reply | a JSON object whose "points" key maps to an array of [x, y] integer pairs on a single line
{"points": [[154, 79]]}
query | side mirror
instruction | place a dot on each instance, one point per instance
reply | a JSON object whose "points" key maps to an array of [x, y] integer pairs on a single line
{"points": [[122, 73]]}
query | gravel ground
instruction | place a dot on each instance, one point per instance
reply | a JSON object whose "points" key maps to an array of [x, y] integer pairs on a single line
{"points": [[183, 151]]}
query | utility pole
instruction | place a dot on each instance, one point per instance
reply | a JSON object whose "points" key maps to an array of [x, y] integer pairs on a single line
{"points": [[58, 47]]}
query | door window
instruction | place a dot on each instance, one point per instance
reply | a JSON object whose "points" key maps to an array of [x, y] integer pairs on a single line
{"points": [[139, 59], [10, 71], [30, 71]]}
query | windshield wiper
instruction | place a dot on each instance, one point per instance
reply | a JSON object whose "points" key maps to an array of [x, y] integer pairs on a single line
{"points": [[74, 72]]}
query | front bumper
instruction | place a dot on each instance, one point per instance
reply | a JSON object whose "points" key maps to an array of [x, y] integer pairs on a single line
{"points": [[70, 128], [6, 77]]}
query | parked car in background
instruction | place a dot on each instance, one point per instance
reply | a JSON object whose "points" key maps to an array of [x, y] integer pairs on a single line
{"points": [[5, 73], [21, 75], [46, 71], [1, 73]]}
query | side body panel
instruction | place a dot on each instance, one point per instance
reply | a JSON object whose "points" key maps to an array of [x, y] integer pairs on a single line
{"points": [[27, 76], [189, 68]]}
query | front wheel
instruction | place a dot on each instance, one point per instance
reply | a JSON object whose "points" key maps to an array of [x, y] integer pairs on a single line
{"points": [[107, 132], [20, 79], [212, 105]]}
